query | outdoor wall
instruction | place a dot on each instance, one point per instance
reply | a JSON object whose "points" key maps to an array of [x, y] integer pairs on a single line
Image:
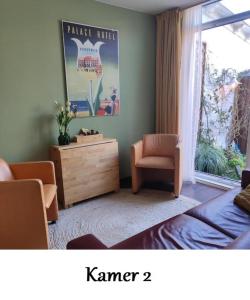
{"points": [[32, 75]]}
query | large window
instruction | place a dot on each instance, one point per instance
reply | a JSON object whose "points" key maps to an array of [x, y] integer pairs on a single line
{"points": [[224, 8], [225, 100]]}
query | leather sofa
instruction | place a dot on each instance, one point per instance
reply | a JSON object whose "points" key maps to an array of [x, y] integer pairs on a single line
{"points": [[215, 224]]}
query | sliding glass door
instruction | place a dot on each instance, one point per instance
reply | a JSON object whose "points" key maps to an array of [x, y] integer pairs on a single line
{"points": [[225, 100]]}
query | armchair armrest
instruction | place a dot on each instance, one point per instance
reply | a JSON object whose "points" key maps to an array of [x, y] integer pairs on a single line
{"points": [[43, 170], [178, 151], [245, 178], [177, 156], [23, 221], [136, 152]]}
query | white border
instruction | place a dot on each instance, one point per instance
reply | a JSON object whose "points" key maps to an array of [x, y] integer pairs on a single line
{"points": [[176, 275]]}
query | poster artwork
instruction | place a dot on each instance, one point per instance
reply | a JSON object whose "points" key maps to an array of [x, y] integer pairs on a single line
{"points": [[92, 69]]}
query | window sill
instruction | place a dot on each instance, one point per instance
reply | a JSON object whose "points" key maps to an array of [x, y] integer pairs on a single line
{"points": [[216, 181]]}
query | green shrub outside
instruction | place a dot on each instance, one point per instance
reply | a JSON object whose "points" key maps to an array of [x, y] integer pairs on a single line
{"points": [[215, 160]]}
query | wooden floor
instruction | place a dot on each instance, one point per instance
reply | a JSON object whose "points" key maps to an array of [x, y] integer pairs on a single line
{"points": [[197, 191], [201, 192]]}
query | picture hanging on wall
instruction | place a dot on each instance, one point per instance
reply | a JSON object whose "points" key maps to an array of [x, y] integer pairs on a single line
{"points": [[91, 56]]}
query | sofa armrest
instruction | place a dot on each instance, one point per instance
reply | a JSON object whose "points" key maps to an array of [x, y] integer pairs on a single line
{"points": [[23, 221], [136, 151], [88, 241], [43, 170], [245, 178]]}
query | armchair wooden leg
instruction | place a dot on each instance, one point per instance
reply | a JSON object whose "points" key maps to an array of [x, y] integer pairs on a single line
{"points": [[136, 180], [177, 187], [176, 192]]}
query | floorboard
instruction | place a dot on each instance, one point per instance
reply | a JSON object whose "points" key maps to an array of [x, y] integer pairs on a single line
{"points": [[198, 191], [201, 192]]}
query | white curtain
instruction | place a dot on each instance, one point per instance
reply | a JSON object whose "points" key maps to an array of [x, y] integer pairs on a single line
{"points": [[190, 87]]}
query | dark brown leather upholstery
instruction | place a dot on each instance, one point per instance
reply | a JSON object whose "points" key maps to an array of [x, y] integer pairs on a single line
{"points": [[156, 237], [87, 241], [223, 214], [216, 224], [245, 178], [242, 242], [181, 232]]}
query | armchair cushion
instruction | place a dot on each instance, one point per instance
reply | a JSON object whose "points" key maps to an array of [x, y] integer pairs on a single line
{"points": [[43, 170], [156, 162], [49, 191]]}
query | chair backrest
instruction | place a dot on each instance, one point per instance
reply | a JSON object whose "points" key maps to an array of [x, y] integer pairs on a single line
{"points": [[5, 171], [159, 144]]}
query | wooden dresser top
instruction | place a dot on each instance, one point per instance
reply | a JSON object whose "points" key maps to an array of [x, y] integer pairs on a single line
{"points": [[78, 145]]}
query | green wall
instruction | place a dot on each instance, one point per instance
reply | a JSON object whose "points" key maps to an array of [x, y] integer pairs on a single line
{"points": [[32, 75]]}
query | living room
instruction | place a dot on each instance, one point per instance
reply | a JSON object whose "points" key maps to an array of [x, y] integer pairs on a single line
{"points": [[143, 145], [41, 35]]}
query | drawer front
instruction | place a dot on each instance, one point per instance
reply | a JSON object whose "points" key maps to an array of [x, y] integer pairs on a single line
{"points": [[89, 171]]}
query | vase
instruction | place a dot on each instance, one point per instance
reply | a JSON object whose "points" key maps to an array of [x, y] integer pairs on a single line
{"points": [[64, 139]]}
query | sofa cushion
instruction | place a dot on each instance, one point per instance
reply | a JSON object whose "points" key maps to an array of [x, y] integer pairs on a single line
{"points": [[49, 191], [153, 238], [242, 242], [181, 232], [5, 171], [156, 162], [223, 214]]}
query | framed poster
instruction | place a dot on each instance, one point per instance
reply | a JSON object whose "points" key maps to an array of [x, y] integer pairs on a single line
{"points": [[91, 56]]}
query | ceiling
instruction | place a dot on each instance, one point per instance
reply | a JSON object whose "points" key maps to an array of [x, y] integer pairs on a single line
{"points": [[151, 6]]}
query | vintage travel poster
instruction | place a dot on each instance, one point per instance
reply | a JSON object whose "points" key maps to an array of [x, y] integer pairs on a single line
{"points": [[92, 69]]}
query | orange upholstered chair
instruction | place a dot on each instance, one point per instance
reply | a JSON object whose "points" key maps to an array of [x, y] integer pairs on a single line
{"points": [[156, 157], [27, 202]]}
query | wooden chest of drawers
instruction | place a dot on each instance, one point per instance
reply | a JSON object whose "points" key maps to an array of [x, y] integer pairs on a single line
{"points": [[86, 170]]}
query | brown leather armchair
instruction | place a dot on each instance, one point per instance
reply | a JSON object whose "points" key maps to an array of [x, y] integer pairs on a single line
{"points": [[156, 157], [28, 201]]}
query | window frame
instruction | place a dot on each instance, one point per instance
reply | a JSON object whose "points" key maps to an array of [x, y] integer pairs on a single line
{"points": [[224, 21]]}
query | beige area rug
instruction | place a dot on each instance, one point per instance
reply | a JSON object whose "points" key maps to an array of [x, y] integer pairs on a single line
{"points": [[116, 216]]}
